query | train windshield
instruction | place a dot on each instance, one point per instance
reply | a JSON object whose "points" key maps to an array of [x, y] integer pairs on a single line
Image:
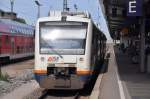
{"points": [[66, 38]]}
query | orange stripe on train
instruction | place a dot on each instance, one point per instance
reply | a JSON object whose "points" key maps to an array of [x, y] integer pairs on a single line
{"points": [[40, 71], [84, 72], [79, 72]]}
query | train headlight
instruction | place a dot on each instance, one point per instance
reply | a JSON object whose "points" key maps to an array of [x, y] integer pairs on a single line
{"points": [[81, 59], [42, 59]]}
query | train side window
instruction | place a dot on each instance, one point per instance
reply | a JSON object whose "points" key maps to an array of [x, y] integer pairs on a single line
{"points": [[2, 13], [0, 42], [22, 50], [18, 49], [6, 39], [93, 35]]}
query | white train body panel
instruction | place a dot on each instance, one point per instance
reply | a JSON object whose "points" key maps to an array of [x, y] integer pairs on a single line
{"points": [[49, 59], [72, 58]]}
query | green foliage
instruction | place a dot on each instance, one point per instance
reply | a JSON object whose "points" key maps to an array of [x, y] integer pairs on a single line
{"points": [[20, 20], [4, 77]]}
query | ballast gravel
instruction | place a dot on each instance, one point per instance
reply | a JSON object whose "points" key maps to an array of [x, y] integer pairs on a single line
{"points": [[14, 82]]}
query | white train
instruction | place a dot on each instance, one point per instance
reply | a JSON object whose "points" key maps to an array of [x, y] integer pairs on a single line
{"points": [[67, 48]]}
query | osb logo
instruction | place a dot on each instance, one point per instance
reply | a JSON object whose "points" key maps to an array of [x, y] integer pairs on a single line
{"points": [[53, 59]]}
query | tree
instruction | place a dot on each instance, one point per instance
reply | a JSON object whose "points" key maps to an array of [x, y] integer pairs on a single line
{"points": [[20, 20]]}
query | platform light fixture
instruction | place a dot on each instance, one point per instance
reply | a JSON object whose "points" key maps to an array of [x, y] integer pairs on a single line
{"points": [[38, 4], [12, 7], [65, 5]]}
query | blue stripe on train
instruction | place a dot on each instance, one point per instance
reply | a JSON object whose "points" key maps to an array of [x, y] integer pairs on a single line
{"points": [[84, 77], [38, 77]]}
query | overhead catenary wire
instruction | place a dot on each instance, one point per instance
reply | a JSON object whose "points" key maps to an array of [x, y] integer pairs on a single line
{"points": [[23, 14], [98, 14], [20, 12]]}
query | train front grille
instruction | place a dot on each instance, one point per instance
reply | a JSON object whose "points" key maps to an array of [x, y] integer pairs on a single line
{"points": [[61, 71]]}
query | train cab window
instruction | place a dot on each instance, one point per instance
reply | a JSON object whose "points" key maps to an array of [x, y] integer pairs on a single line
{"points": [[114, 12], [67, 37]]}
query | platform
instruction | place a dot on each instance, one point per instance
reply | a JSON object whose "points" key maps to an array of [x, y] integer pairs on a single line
{"points": [[137, 83], [122, 79]]}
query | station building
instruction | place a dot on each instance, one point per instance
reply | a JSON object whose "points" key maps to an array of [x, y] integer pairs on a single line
{"points": [[130, 30], [7, 15]]}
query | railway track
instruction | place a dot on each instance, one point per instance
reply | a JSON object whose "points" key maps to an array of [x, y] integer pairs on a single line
{"points": [[69, 94], [65, 94], [60, 94], [15, 61]]}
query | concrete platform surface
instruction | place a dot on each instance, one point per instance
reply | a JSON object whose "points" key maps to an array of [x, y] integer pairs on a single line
{"points": [[122, 79]]}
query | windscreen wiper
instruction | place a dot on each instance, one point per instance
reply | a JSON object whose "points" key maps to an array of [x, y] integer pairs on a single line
{"points": [[53, 49]]}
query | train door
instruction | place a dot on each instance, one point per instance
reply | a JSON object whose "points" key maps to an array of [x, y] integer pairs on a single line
{"points": [[12, 46], [94, 46]]}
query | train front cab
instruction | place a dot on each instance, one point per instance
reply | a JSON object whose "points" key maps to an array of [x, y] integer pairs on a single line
{"points": [[64, 71]]}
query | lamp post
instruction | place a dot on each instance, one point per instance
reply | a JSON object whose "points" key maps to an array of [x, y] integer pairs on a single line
{"points": [[38, 4], [76, 8], [65, 5], [12, 6], [142, 50]]}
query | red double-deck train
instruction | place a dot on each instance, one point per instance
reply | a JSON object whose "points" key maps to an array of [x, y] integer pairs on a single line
{"points": [[16, 40]]}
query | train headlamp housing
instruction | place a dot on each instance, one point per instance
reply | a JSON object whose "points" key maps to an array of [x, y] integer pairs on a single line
{"points": [[42, 59], [81, 59], [63, 18]]}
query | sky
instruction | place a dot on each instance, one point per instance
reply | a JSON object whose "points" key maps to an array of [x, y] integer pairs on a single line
{"points": [[27, 9]]}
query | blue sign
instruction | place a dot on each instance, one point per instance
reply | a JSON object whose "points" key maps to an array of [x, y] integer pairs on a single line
{"points": [[134, 7]]}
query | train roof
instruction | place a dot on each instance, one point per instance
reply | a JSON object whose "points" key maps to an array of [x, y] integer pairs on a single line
{"points": [[14, 23], [10, 26], [84, 14]]}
